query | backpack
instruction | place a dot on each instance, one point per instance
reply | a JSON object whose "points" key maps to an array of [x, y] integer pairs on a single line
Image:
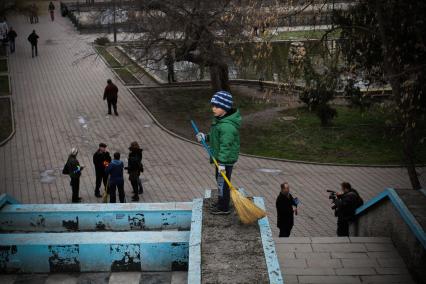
{"points": [[359, 200], [66, 169]]}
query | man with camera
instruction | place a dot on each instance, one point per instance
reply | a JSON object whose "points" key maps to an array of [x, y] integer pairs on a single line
{"points": [[345, 203]]}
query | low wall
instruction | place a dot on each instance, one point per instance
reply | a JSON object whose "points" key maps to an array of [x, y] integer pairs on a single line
{"points": [[384, 219]]}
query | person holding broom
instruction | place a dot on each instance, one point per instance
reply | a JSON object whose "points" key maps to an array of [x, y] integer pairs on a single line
{"points": [[224, 142]]}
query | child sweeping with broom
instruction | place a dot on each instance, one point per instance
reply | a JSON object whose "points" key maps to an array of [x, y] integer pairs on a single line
{"points": [[224, 141]]}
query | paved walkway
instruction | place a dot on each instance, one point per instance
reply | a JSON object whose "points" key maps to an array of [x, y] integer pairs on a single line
{"points": [[340, 260], [58, 104]]}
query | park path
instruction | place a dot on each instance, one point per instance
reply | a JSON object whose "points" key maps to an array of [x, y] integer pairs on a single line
{"points": [[58, 105]]}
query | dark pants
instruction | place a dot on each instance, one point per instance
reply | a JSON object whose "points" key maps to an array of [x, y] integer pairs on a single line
{"points": [[112, 103], [100, 177], [224, 194], [75, 186], [171, 77], [113, 188], [12, 45], [285, 229], [136, 185], [34, 50], [342, 227]]}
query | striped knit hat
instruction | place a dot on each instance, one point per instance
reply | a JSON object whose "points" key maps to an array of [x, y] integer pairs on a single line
{"points": [[222, 100]]}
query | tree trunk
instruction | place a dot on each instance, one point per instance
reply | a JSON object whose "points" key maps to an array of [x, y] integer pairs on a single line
{"points": [[391, 71], [219, 78], [409, 153]]}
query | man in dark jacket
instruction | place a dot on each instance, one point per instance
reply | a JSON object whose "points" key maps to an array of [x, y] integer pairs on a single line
{"points": [[134, 169], [286, 208], [33, 39], [73, 169], [110, 94], [11, 36], [101, 160], [116, 179], [345, 205]]}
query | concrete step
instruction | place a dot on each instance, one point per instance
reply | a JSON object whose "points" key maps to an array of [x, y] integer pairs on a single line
{"points": [[340, 260], [175, 277]]}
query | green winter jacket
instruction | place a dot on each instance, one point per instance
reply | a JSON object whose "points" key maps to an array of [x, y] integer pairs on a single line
{"points": [[224, 138]]}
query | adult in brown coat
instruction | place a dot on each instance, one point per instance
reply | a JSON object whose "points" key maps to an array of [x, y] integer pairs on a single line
{"points": [[110, 94]]}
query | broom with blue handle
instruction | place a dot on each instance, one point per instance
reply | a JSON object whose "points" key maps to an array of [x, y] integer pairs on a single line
{"points": [[246, 209]]}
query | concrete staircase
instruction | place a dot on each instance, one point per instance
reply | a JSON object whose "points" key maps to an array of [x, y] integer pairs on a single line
{"points": [[98, 278], [340, 260]]}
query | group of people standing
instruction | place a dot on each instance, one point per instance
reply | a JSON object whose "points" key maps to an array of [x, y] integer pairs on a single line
{"points": [[109, 171]]}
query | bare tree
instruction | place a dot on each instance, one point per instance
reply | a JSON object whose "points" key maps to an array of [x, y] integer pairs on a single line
{"points": [[203, 32]]}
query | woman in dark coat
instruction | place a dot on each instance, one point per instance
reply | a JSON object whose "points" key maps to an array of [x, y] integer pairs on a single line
{"points": [[286, 208], [135, 168]]}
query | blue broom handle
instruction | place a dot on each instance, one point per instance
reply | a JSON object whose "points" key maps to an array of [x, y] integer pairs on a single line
{"points": [[194, 126]]}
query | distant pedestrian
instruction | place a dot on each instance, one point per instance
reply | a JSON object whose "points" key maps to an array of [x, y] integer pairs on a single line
{"points": [[286, 208], [73, 169], [169, 60], [33, 14], [111, 96], [135, 168], [33, 39], [51, 11], [11, 35], [101, 160], [116, 179]]}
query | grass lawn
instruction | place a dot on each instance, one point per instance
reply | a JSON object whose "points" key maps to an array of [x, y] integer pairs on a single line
{"points": [[108, 57], [303, 35], [126, 76], [5, 119], [290, 134], [4, 85], [353, 138], [3, 65]]}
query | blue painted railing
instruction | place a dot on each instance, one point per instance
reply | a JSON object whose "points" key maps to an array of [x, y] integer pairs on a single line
{"points": [[95, 217], [194, 263], [27, 244], [95, 251], [406, 215], [7, 199], [274, 270]]}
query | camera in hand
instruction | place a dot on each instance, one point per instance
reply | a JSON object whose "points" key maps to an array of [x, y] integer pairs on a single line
{"points": [[333, 196]]}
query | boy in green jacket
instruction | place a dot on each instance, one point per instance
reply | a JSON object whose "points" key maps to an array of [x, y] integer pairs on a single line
{"points": [[224, 142]]}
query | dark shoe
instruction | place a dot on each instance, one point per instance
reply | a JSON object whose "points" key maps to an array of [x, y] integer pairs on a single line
{"points": [[116, 114], [140, 191], [109, 113], [98, 194], [135, 198], [219, 212]]}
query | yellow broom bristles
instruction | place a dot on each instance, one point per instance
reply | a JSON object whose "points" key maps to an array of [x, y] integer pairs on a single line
{"points": [[246, 209]]}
